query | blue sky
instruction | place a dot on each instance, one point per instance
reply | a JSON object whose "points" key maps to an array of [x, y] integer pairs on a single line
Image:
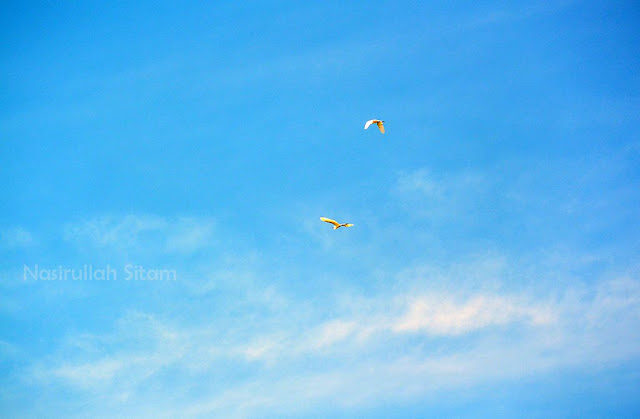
{"points": [[494, 266]]}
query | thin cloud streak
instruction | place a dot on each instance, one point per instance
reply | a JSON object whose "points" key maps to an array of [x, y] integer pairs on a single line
{"points": [[129, 232], [16, 238]]}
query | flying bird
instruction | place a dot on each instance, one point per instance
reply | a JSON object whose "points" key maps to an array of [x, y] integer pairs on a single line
{"points": [[378, 122], [336, 224]]}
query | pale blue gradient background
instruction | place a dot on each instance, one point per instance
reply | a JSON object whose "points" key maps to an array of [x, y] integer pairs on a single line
{"points": [[494, 267]]}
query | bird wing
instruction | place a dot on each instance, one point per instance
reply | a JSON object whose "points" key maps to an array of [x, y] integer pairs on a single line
{"points": [[369, 122], [330, 221], [380, 126], [348, 225]]}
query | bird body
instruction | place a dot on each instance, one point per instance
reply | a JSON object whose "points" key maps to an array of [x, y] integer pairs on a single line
{"points": [[378, 122], [336, 224]]}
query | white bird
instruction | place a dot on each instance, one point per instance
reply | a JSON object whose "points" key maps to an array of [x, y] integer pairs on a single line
{"points": [[336, 224], [377, 122]]}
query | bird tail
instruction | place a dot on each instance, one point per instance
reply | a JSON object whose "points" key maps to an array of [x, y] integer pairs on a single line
{"points": [[335, 227]]}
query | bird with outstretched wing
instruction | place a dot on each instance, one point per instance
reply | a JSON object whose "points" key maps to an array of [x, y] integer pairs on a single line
{"points": [[378, 122], [336, 224]]}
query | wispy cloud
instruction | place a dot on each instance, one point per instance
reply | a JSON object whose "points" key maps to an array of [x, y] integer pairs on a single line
{"points": [[449, 195], [440, 316], [390, 346], [423, 181], [16, 237], [403, 316], [161, 234]]}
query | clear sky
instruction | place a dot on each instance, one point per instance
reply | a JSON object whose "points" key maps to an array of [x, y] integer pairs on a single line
{"points": [[494, 266]]}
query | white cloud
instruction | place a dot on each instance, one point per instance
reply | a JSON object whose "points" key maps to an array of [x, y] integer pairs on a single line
{"points": [[421, 181], [401, 343], [89, 374], [188, 235], [444, 186], [113, 231], [568, 342], [147, 232], [332, 332], [16, 237], [439, 315], [449, 195]]}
